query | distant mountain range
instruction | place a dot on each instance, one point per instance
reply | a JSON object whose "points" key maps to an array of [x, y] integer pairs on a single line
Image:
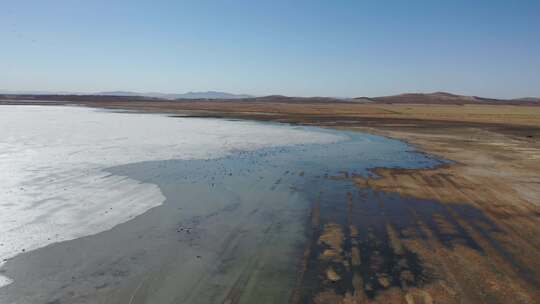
{"points": [[407, 98], [188, 95], [416, 98]]}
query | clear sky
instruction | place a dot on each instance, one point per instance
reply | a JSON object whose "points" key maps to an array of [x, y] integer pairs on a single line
{"points": [[333, 48]]}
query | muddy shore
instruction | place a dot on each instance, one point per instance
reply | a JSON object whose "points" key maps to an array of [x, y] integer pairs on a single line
{"points": [[476, 242]]}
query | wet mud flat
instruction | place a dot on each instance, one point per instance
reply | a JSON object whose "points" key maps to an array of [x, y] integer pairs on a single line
{"points": [[369, 246], [275, 226]]}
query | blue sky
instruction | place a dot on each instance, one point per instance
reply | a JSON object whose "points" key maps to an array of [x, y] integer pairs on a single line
{"points": [[305, 48]]}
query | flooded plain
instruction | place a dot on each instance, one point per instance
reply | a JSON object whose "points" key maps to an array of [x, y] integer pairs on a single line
{"points": [[269, 225]]}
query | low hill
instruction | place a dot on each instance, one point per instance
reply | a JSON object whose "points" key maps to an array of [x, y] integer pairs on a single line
{"points": [[431, 98], [445, 98]]}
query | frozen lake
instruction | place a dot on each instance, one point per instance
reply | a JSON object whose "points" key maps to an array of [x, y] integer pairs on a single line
{"points": [[52, 161], [105, 207]]}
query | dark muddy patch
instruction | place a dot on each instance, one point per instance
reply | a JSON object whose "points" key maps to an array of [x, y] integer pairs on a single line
{"points": [[369, 228]]}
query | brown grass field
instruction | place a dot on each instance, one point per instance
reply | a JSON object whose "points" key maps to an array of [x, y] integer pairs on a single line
{"points": [[501, 114]]}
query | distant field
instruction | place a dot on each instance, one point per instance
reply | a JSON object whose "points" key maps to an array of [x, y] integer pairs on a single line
{"points": [[433, 107], [493, 114], [519, 115]]}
